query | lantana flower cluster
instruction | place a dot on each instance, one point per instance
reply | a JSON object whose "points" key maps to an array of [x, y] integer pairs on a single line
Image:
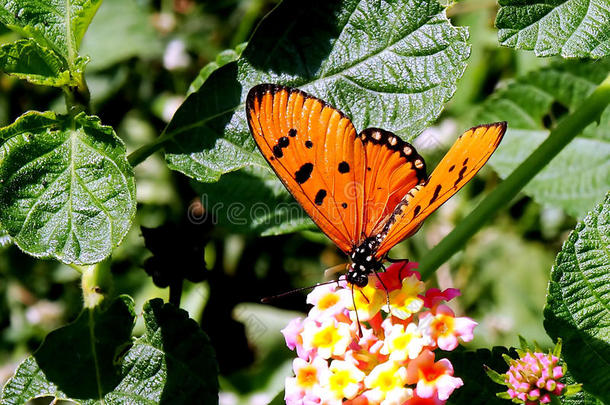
{"points": [[385, 354], [534, 378]]}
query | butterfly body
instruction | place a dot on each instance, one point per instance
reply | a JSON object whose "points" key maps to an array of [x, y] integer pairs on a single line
{"points": [[365, 191]]}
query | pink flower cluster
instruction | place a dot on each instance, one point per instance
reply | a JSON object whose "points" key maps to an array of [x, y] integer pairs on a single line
{"points": [[392, 362], [534, 377]]}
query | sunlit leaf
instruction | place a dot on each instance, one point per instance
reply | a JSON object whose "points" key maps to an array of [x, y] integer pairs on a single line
{"points": [[66, 189], [55, 24], [26, 59], [570, 28], [578, 301], [391, 64]]}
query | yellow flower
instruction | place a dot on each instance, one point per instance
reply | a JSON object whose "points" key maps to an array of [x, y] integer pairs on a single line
{"points": [[369, 301], [343, 380], [386, 384], [403, 344], [330, 338], [405, 301]]}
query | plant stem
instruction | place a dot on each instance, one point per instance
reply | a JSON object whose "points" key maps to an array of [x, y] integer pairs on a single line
{"points": [[175, 292], [572, 125], [96, 282], [139, 155]]}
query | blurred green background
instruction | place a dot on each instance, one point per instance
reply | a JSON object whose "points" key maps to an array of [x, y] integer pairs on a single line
{"points": [[144, 56]]}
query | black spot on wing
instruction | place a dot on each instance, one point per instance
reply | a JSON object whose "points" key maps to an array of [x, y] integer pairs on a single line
{"points": [[283, 142], [460, 175], [308, 144], [344, 205], [304, 173], [292, 133], [465, 162], [320, 195], [277, 151], [416, 211], [437, 190], [451, 168], [343, 167]]}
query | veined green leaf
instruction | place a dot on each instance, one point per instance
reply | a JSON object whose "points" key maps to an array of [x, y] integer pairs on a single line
{"points": [[578, 301], [55, 24], [532, 104], [389, 63], [66, 189], [172, 363], [570, 28], [580, 398], [26, 59], [78, 360]]}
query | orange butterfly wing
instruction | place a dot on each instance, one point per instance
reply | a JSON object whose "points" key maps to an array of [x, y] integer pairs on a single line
{"points": [[393, 167], [311, 147], [349, 185], [465, 158]]}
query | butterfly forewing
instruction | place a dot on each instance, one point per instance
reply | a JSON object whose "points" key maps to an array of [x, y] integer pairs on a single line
{"points": [[465, 158], [312, 148]]}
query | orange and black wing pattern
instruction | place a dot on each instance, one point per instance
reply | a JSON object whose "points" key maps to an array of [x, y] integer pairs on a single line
{"points": [[313, 150], [393, 168], [465, 158], [348, 183]]}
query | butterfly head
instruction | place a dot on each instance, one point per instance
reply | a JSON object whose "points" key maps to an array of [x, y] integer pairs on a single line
{"points": [[364, 262]]}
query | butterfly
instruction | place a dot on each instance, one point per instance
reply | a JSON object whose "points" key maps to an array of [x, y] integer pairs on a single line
{"points": [[367, 191]]}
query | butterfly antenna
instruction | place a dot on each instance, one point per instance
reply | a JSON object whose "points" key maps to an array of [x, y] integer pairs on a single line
{"points": [[356, 311], [267, 300]]}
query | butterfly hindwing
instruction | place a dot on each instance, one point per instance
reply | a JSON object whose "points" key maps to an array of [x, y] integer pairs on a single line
{"points": [[465, 158], [312, 148], [393, 167]]}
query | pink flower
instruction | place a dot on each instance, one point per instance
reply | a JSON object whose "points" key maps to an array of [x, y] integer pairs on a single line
{"points": [[300, 388], [532, 378], [432, 378], [445, 328], [292, 335]]}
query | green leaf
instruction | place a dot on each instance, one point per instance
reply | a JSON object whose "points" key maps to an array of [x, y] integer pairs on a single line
{"points": [[252, 201], [391, 64], [77, 360], [56, 24], [570, 28], [224, 57], [470, 366], [578, 301], [581, 397], [173, 363], [66, 189], [110, 40], [532, 104], [26, 59]]}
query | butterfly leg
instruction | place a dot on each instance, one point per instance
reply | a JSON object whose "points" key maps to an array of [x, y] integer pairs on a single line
{"points": [[356, 311], [387, 293]]}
